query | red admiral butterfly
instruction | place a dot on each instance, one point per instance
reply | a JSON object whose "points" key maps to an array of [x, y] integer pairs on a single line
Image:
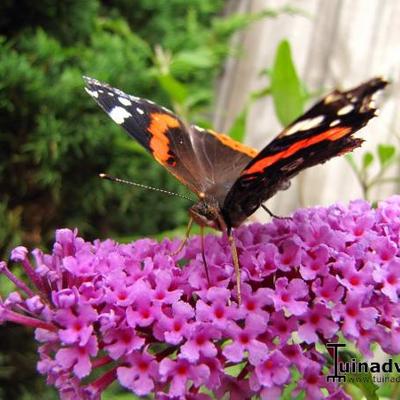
{"points": [[230, 179]]}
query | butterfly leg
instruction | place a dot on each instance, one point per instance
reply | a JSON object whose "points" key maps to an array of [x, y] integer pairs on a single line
{"points": [[184, 241], [235, 259], [203, 254], [271, 214]]}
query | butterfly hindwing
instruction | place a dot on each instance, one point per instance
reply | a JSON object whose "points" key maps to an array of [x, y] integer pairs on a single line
{"points": [[323, 132], [222, 159]]}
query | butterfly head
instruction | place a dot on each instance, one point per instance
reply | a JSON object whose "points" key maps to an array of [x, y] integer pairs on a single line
{"points": [[207, 213]]}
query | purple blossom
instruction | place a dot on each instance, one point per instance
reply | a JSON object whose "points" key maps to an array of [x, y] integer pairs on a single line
{"points": [[273, 371], [178, 373], [122, 340], [328, 289], [174, 327], [19, 253], [315, 262], [317, 321], [200, 342], [139, 373], [77, 324], [389, 277], [354, 315], [217, 310], [287, 295], [312, 383], [78, 357], [105, 312], [282, 327], [245, 339]]}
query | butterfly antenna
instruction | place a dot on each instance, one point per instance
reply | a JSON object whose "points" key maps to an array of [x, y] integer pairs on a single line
{"points": [[119, 180]]}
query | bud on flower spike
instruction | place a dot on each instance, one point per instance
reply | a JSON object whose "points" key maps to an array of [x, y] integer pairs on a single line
{"points": [[106, 312]]}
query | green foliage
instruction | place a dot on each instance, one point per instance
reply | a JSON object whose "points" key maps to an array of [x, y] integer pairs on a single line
{"points": [[67, 21], [238, 128], [386, 153], [364, 382], [374, 166], [390, 390], [288, 393], [286, 88]]}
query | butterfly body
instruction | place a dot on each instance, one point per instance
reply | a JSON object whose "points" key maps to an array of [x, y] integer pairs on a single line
{"points": [[207, 213]]}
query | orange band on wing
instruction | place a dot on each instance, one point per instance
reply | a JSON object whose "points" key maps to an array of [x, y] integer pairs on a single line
{"points": [[233, 144], [159, 142], [331, 134]]}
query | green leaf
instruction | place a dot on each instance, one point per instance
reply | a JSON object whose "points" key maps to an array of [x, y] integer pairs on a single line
{"points": [[236, 369], [198, 98], [287, 393], [238, 128], [189, 60], [367, 160], [364, 382], [286, 88], [386, 153], [350, 159], [258, 94], [175, 89], [230, 24]]}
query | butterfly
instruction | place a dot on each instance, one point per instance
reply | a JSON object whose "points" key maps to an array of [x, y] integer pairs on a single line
{"points": [[230, 179]]}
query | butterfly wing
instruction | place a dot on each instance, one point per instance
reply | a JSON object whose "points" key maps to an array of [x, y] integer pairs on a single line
{"points": [[222, 159], [323, 132], [206, 162]]}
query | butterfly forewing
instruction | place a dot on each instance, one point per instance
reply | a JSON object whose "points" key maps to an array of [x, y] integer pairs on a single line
{"points": [[205, 161]]}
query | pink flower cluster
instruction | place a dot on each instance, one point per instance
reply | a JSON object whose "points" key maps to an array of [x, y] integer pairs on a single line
{"points": [[105, 311]]}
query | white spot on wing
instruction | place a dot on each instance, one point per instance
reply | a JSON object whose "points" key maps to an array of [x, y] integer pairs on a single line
{"points": [[124, 101], [139, 110], [92, 93], [166, 109], [305, 125], [331, 98], [345, 110], [335, 122], [119, 114]]}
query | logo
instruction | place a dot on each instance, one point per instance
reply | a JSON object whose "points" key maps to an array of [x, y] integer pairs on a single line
{"points": [[353, 370]]}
